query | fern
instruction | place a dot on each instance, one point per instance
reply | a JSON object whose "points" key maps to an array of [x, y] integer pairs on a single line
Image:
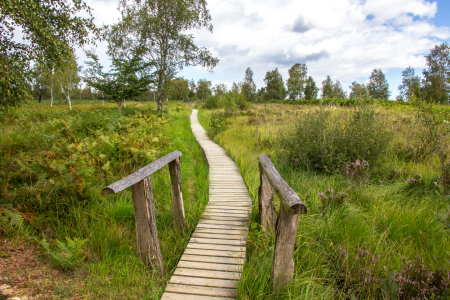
{"points": [[12, 218], [69, 254]]}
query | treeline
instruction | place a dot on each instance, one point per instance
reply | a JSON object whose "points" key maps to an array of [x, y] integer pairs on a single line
{"points": [[434, 87]]}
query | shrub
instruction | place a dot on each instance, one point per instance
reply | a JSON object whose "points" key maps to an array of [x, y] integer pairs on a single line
{"points": [[211, 102], [326, 139], [357, 170], [416, 281], [217, 124]]}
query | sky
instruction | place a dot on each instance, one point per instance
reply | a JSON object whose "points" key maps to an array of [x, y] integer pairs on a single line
{"points": [[345, 39]]}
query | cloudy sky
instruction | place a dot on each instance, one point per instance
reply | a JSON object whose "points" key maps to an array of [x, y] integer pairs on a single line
{"points": [[345, 39]]}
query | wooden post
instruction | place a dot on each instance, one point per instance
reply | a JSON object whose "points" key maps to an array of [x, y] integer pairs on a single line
{"points": [[283, 262], [179, 220], [146, 231], [267, 214]]}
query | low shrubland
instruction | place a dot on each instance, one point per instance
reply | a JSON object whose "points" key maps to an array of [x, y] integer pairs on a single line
{"points": [[53, 165], [377, 207]]}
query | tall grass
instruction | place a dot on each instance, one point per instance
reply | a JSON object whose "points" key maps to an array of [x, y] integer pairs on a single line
{"points": [[55, 163], [384, 218]]}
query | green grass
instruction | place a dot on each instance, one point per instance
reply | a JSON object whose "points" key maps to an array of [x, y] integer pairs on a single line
{"points": [[383, 215], [55, 163]]}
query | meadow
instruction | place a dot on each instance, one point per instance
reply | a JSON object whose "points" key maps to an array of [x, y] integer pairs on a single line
{"points": [[53, 165], [371, 230]]}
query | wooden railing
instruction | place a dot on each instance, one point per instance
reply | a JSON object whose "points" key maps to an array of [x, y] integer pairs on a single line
{"points": [[285, 226], [144, 206]]}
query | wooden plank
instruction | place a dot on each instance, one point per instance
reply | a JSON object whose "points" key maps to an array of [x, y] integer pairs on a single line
{"points": [[224, 218], [234, 254], [207, 274], [176, 296], [212, 259], [238, 242], [140, 174], [267, 214], [209, 266], [222, 227], [235, 248], [222, 212], [201, 290], [225, 237]]}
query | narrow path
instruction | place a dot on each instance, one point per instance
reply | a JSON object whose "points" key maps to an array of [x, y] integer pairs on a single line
{"points": [[213, 259]]}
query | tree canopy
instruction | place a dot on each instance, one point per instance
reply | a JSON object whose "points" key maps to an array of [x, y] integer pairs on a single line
{"points": [[358, 91], [436, 83], [327, 88], [311, 90], [410, 87], [50, 29], [274, 86], [378, 86], [248, 87], [296, 82]]}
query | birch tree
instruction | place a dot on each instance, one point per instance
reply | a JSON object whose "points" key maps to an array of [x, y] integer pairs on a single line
{"points": [[159, 28]]}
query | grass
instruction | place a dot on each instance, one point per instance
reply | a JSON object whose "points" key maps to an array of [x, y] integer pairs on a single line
{"points": [[55, 163], [383, 215]]}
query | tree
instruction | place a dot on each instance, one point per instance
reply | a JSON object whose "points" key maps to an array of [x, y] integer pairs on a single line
{"points": [[410, 87], [436, 83], [338, 92], [358, 91], [192, 89], [296, 81], [274, 86], [311, 90], [67, 77], [161, 29], [248, 87], [378, 86], [179, 89], [50, 30], [327, 88], [203, 89], [220, 89], [128, 78], [38, 79]]}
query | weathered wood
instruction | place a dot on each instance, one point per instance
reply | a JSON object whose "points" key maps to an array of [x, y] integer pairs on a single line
{"points": [[283, 263], [289, 199], [221, 283], [140, 174], [200, 290], [179, 220], [146, 231], [210, 266], [267, 214], [207, 274], [212, 259]]}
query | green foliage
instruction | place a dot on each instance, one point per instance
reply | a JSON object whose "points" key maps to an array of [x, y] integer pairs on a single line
{"points": [[274, 86], [203, 89], [50, 31], [248, 87], [311, 90], [128, 78], [436, 83], [217, 124], [378, 87], [179, 89], [359, 91], [410, 89], [161, 30], [296, 82], [327, 140], [327, 88], [444, 216], [68, 255], [11, 218]]}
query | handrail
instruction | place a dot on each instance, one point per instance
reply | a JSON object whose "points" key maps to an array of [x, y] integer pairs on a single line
{"points": [[142, 173], [285, 225], [144, 206], [290, 200]]}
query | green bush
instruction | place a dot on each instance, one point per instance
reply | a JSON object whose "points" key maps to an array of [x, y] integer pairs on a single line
{"points": [[217, 124], [326, 140], [69, 255]]}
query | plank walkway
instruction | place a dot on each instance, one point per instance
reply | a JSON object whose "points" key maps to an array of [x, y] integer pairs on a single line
{"points": [[212, 262]]}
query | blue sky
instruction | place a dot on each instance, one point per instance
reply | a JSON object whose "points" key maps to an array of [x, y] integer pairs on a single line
{"points": [[345, 39]]}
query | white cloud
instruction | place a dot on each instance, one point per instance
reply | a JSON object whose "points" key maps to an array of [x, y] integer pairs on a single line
{"points": [[346, 39]]}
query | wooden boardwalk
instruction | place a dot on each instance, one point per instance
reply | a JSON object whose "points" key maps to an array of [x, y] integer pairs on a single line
{"points": [[213, 259]]}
